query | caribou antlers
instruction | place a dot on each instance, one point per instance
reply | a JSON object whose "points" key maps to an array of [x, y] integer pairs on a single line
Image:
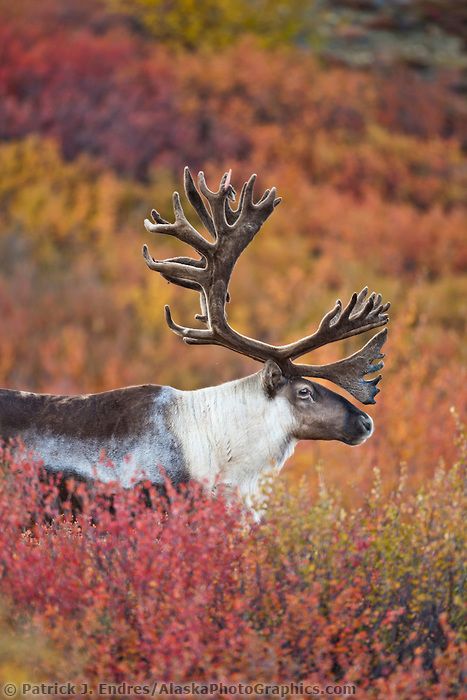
{"points": [[232, 230]]}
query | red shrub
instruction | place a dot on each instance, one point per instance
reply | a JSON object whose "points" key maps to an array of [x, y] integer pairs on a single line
{"points": [[189, 592]]}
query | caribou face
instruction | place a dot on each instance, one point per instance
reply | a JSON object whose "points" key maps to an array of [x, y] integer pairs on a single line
{"points": [[318, 413], [321, 414]]}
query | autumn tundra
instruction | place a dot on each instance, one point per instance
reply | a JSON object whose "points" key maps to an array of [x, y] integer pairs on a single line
{"points": [[226, 436]]}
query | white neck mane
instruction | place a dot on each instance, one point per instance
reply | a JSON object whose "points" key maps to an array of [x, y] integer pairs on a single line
{"points": [[233, 434]]}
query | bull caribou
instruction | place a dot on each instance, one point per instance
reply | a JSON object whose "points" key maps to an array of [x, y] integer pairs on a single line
{"points": [[228, 435]]}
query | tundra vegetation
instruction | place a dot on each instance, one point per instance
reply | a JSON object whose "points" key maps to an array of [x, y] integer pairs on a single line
{"points": [[322, 592], [98, 115]]}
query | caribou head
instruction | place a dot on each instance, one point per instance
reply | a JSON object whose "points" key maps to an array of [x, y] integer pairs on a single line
{"points": [[318, 413]]}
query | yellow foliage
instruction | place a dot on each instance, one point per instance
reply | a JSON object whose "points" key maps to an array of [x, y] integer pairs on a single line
{"points": [[26, 655], [199, 24]]}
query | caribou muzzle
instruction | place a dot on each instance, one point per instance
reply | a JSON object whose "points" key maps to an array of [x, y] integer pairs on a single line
{"points": [[360, 428]]}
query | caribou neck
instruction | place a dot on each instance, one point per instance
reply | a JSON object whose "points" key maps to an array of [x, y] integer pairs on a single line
{"points": [[234, 433]]}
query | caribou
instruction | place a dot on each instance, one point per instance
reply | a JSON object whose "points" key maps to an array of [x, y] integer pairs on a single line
{"points": [[226, 436]]}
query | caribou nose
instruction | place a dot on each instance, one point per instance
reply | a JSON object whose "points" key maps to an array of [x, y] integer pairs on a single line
{"points": [[366, 422]]}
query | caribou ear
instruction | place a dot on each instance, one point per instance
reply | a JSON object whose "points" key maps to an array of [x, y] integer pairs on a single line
{"points": [[271, 377]]}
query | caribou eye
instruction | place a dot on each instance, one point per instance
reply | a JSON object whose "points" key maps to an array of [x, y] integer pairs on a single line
{"points": [[305, 393]]}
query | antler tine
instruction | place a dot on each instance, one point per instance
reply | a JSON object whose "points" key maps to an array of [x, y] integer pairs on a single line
{"points": [[218, 201], [181, 229], [232, 215], [197, 203], [349, 373], [194, 334], [340, 323], [241, 201], [176, 270], [247, 219], [183, 282]]}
